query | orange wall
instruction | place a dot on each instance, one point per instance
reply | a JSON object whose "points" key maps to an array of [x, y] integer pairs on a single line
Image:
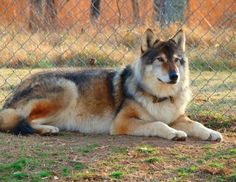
{"points": [[206, 13], [209, 13]]}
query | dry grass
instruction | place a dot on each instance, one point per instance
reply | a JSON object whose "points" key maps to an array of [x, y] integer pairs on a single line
{"points": [[110, 46]]}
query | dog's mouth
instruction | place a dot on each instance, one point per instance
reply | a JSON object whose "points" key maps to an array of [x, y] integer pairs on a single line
{"points": [[170, 82]]}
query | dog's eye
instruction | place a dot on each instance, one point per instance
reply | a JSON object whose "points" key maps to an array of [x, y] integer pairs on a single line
{"points": [[160, 59], [177, 60]]}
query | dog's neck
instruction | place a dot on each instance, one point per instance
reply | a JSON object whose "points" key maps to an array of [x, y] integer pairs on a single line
{"points": [[154, 98]]}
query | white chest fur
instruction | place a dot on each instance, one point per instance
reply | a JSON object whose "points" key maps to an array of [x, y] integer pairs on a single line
{"points": [[165, 111]]}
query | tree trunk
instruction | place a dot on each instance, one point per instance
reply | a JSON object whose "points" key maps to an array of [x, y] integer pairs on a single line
{"points": [[159, 9], [35, 15], [95, 10], [135, 7], [50, 14]]}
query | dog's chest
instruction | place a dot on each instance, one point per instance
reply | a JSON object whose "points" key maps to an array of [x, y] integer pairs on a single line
{"points": [[165, 111]]}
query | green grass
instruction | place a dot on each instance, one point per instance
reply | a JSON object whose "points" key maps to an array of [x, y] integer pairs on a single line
{"points": [[66, 171], [119, 150], [216, 165], [146, 149], [44, 174], [87, 149], [232, 178], [14, 170], [185, 171], [212, 64], [182, 157], [19, 175], [79, 166], [18, 165], [221, 154], [83, 60], [116, 174], [44, 63], [153, 160], [110, 161]]}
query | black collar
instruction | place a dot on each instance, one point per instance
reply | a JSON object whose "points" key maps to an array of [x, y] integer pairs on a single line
{"points": [[155, 99]]}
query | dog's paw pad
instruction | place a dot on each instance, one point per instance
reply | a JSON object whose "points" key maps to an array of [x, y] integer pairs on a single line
{"points": [[54, 130], [215, 136], [180, 136], [50, 130]]}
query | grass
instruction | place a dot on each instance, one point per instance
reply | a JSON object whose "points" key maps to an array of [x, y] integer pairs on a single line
{"points": [[115, 158], [116, 174], [87, 149], [79, 166], [185, 171], [109, 48], [44, 174], [19, 175], [216, 165], [232, 178], [65, 171], [153, 160], [146, 149], [15, 170]]}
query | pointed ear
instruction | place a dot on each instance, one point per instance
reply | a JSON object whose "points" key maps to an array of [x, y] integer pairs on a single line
{"points": [[148, 40], [179, 38]]}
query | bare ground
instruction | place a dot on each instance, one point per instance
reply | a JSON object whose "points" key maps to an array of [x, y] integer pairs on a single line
{"points": [[73, 156]]}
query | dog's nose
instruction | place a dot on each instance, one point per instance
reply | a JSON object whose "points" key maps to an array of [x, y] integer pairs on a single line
{"points": [[173, 76]]}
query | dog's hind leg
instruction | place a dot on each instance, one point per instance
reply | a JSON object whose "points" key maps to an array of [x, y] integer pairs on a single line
{"points": [[196, 129], [45, 112], [38, 112]]}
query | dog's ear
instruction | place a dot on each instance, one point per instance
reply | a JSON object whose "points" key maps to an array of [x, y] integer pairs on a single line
{"points": [[179, 38], [148, 40]]}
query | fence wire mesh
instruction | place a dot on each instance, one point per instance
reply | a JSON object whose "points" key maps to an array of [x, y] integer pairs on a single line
{"points": [[43, 34]]}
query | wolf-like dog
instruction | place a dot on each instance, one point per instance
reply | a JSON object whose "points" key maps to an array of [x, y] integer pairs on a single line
{"points": [[147, 98]]}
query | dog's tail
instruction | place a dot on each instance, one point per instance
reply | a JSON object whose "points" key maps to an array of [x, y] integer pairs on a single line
{"points": [[12, 122]]}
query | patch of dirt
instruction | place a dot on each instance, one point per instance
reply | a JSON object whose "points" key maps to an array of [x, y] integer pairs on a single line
{"points": [[107, 154]]}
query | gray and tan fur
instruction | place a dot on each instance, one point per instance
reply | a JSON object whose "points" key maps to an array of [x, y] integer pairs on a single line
{"points": [[147, 98]]}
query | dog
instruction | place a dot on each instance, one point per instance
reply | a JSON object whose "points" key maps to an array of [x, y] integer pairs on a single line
{"points": [[146, 98]]}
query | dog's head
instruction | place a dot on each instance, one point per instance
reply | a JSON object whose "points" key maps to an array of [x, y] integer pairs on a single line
{"points": [[162, 63]]}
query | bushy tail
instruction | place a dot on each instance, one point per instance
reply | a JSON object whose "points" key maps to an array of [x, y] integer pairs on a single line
{"points": [[12, 122]]}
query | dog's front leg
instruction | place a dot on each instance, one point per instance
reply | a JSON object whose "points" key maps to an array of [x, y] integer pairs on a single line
{"points": [[196, 129], [133, 120]]}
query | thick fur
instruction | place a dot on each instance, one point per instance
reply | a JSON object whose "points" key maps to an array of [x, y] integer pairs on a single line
{"points": [[147, 98]]}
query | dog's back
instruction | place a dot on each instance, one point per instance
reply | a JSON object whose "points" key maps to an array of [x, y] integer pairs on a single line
{"points": [[69, 99]]}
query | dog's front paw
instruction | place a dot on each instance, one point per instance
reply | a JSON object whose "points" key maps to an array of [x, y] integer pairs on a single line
{"points": [[214, 136], [180, 136]]}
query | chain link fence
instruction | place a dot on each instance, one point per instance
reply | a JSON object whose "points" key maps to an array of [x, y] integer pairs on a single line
{"points": [[50, 34]]}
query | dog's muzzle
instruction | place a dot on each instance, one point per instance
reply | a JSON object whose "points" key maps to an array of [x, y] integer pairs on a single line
{"points": [[173, 77]]}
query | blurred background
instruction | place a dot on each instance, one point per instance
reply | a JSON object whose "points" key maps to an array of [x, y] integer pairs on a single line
{"points": [[51, 34]]}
